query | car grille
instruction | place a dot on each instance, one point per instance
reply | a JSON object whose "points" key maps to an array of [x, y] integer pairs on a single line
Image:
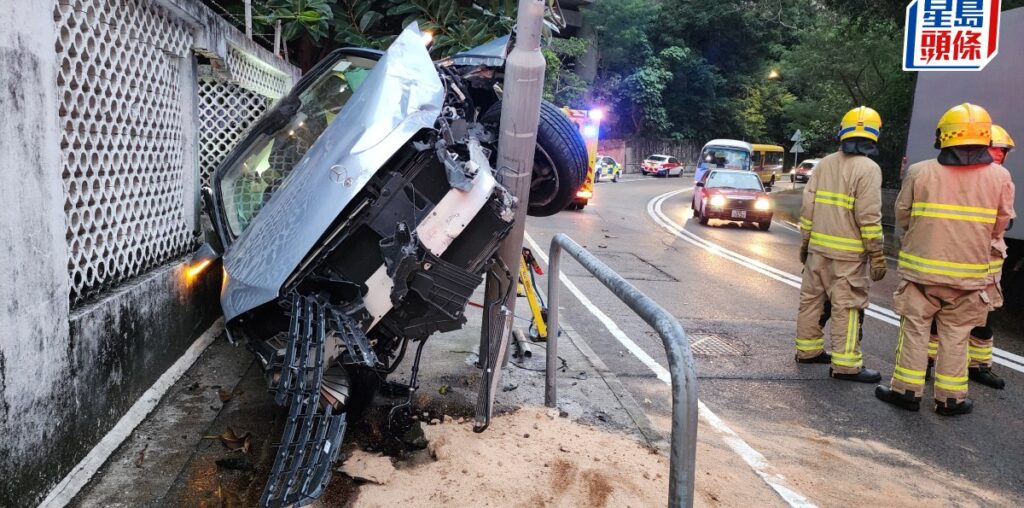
{"points": [[739, 204]]}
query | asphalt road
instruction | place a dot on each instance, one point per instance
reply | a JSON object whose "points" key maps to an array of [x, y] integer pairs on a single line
{"points": [[740, 312]]}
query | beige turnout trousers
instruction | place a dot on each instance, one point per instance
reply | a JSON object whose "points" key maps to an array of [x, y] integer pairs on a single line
{"points": [[980, 342], [956, 312], [845, 284]]}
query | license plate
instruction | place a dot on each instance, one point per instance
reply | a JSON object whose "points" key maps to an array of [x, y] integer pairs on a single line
{"points": [[739, 214]]}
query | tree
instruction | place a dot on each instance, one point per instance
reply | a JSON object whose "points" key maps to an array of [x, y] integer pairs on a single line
{"points": [[562, 85], [313, 28], [833, 72]]}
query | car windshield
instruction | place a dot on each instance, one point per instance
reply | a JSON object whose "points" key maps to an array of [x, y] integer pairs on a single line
{"points": [[741, 181], [725, 157], [287, 133], [806, 165], [657, 158]]}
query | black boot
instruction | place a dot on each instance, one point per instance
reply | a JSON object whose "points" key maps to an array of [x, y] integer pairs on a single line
{"points": [[821, 358], [983, 374], [905, 400], [864, 376], [951, 408]]}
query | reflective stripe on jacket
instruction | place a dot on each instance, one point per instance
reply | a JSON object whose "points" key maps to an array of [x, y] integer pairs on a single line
{"points": [[842, 207], [953, 219]]}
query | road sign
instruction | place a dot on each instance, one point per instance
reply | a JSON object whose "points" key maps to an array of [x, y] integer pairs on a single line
{"points": [[797, 148], [797, 136]]}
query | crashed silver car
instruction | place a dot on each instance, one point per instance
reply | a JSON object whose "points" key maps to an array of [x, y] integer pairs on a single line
{"points": [[357, 217]]}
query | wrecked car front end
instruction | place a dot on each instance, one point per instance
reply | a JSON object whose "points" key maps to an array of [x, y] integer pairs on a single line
{"points": [[357, 217]]}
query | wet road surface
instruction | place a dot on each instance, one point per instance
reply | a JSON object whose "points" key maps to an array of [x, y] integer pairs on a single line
{"points": [[735, 291]]}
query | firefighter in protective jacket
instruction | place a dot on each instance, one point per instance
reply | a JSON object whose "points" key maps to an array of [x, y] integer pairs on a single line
{"points": [[980, 342], [952, 210], [840, 222]]}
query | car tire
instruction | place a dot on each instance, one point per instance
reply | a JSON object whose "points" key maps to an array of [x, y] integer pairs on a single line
{"points": [[792, 179], [764, 225], [560, 145]]}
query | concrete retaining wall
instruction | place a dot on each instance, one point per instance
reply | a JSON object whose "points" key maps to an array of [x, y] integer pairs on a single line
{"points": [[75, 163]]}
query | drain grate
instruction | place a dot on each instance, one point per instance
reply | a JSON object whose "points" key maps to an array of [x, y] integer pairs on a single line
{"points": [[709, 344]]}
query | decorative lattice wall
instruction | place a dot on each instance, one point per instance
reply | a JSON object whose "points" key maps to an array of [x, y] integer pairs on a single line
{"points": [[252, 74], [226, 111], [124, 171]]}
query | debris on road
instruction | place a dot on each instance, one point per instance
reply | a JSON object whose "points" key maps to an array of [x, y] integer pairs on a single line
{"points": [[608, 469], [234, 441], [368, 467], [141, 457]]}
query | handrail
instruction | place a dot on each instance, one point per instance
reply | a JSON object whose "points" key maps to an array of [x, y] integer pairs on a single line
{"points": [[677, 347]]}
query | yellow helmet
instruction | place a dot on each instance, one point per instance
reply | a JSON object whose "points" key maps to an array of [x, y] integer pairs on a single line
{"points": [[861, 122], [1001, 138], [966, 124]]}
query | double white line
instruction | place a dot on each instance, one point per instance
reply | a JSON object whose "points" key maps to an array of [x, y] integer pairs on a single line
{"points": [[880, 313]]}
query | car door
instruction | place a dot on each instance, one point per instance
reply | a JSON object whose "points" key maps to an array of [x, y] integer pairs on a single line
{"points": [[674, 167]]}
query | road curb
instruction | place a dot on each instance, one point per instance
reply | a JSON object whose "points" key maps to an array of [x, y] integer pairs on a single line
{"points": [[651, 435]]}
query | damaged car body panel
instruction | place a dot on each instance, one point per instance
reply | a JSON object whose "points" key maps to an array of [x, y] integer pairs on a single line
{"points": [[401, 95], [357, 218]]}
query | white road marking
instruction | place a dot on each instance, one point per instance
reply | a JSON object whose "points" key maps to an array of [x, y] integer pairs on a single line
{"points": [[752, 457], [878, 312], [68, 488]]}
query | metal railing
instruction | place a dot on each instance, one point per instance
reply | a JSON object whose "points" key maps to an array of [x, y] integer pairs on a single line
{"points": [[677, 347]]}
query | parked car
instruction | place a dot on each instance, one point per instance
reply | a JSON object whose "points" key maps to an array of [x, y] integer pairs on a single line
{"points": [[804, 170], [735, 196], [607, 167], [662, 165]]}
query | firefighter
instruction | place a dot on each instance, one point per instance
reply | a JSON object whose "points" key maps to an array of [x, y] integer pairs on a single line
{"points": [[840, 223], [952, 210], [980, 343]]}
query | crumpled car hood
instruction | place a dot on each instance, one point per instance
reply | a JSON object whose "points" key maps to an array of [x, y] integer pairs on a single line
{"points": [[402, 95]]}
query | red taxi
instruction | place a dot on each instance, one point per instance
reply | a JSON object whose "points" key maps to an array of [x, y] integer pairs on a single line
{"points": [[735, 196], [662, 165]]}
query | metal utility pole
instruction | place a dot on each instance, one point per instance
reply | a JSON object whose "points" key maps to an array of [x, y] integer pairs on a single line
{"points": [[520, 114], [248, 18]]}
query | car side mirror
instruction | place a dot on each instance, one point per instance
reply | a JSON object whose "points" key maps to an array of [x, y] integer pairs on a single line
{"points": [[699, 184]]}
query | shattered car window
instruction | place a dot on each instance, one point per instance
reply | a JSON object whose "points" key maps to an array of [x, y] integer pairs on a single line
{"points": [[265, 167]]}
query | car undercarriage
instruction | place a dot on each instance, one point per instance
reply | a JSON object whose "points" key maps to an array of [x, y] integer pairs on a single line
{"points": [[356, 220]]}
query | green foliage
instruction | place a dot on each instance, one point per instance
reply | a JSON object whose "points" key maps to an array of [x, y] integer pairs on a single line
{"points": [[322, 25], [831, 55], [298, 17], [562, 85], [833, 72]]}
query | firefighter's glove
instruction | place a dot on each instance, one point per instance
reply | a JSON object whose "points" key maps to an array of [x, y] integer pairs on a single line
{"points": [[803, 252], [877, 265]]}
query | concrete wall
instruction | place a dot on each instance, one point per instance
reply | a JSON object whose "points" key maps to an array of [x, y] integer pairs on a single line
{"points": [[71, 366], [631, 152]]}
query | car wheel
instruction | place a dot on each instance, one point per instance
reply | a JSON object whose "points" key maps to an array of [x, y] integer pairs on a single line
{"points": [[559, 163], [792, 179], [764, 225]]}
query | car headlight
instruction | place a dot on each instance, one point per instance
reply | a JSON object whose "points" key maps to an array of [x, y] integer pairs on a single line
{"points": [[762, 204], [717, 200]]}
